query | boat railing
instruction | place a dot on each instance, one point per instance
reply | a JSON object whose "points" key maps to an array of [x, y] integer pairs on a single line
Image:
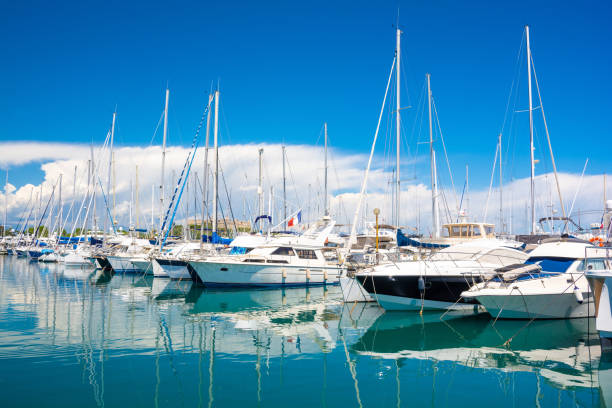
{"points": [[482, 261]]}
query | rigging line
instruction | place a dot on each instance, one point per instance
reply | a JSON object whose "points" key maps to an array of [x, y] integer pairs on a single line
{"points": [[444, 147], [419, 108], [516, 65], [365, 178], [513, 140], [229, 202], [295, 189], [156, 128], [552, 157], [577, 190], [497, 148]]}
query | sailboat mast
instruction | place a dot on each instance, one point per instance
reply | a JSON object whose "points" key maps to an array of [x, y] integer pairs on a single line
{"points": [[397, 129], [6, 203], [260, 186], [325, 199], [216, 176], [205, 176], [531, 147], [163, 167], [284, 192], [501, 201], [434, 176], [110, 171], [152, 206], [137, 201], [60, 214]]}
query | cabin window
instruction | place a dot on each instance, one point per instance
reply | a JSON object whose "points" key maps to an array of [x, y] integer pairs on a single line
{"points": [[592, 264], [464, 231], [551, 264], [287, 251], [455, 232], [306, 253], [489, 230], [446, 232], [476, 230]]}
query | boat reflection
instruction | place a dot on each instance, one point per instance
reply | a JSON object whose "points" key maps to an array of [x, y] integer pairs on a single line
{"points": [[564, 352]]}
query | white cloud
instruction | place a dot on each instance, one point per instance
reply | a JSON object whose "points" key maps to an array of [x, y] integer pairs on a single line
{"points": [[304, 184]]}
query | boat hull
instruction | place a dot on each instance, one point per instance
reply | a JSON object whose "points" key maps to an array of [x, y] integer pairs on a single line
{"points": [[545, 306], [171, 268], [258, 274], [352, 291], [401, 292], [122, 264]]}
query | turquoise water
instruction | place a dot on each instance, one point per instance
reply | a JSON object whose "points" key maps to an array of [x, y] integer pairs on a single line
{"points": [[76, 338]]}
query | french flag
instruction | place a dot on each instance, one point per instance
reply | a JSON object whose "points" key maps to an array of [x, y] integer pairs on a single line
{"points": [[295, 220]]}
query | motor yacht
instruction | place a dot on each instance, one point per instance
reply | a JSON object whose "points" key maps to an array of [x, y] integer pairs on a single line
{"points": [[550, 284], [437, 282], [281, 261]]}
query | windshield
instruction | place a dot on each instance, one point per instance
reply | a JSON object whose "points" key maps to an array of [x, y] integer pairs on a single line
{"points": [[551, 264]]}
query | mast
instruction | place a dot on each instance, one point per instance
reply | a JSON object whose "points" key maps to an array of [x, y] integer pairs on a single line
{"points": [[110, 171], [152, 206], [205, 176], [137, 202], [6, 202], [93, 190], [325, 199], [532, 161], [260, 187], [163, 168], [216, 177], [397, 129], [501, 201], [434, 177], [60, 213], [284, 193], [74, 193]]}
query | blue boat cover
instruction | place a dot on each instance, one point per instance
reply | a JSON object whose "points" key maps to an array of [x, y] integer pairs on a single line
{"points": [[403, 240], [216, 239]]}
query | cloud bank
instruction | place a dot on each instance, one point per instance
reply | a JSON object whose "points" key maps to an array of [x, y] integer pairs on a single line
{"points": [[138, 178]]}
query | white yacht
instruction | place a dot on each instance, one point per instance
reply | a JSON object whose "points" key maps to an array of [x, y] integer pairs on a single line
{"points": [[551, 284], [132, 257], [282, 261], [77, 257], [174, 263], [436, 282]]}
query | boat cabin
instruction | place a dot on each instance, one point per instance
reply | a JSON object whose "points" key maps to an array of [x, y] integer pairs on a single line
{"points": [[467, 230]]}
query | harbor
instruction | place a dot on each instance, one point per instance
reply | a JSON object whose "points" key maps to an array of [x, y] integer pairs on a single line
{"points": [[179, 344], [346, 213]]}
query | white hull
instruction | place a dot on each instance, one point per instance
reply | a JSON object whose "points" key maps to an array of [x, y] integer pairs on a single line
{"points": [[171, 271], [352, 291], [122, 264], [258, 274], [76, 260], [158, 271], [544, 306]]}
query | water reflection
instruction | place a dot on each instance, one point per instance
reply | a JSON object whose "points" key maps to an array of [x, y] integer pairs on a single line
{"points": [[174, 342]]}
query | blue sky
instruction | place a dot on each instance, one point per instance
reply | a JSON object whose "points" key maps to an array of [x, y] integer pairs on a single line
{"points": [[285, 68]]}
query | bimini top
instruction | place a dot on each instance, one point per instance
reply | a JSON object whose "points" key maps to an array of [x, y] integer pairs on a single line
{"points": [[561, 249], [468, 230]]}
